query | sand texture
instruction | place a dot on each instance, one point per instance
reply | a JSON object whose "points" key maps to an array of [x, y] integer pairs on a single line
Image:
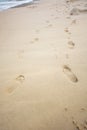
{"points": [[43, 66]]}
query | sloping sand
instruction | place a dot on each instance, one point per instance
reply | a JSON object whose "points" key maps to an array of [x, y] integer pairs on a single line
{"points": [[43, 66]]}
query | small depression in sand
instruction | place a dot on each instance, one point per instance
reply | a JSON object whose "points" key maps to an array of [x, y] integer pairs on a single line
{"points": [[71, 44], [68, 72]]}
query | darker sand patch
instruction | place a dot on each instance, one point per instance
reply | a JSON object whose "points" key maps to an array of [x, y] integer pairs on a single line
{"points": [[68, 72], [76, 125]]}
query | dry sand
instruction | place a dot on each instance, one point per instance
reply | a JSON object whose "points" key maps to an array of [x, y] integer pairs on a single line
{"points": [[43, 66]]}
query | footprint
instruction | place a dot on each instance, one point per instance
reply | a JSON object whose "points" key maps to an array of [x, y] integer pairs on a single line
{"points": [[76, 125], [37, 30], [80, 126], [12, 87], [71, 44], [68, 17], [72, 0], [73, 21], [56, 17], [31, 42], [36, 39], [83, 109], [83, 10], [66, 30], [84, 125], [75, 11], [66, 109], [50, 25], [68, 72], [85, 122], [20, 78]]}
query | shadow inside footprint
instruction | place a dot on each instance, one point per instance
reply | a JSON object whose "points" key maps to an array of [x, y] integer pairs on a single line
{"points": [[77, 11], [73, 21], [12, 87], [70, 74], [20, 78], [15, 84], [71, 44]]}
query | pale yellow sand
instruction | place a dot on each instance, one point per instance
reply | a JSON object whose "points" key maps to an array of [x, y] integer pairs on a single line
{"points": [[43, 66]]}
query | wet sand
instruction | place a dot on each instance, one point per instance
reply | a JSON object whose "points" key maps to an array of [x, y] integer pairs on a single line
{"points": [[43, 66]]}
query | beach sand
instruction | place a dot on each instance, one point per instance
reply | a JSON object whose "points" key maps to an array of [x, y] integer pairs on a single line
{"points": [[43, 66]]}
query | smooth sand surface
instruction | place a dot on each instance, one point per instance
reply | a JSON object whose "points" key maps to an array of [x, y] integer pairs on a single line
{"points": [[43, 66]]}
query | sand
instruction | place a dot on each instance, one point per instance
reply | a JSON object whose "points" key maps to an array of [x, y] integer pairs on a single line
{"points": [[43, 66]]}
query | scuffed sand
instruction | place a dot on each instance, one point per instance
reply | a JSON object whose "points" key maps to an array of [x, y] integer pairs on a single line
{"points": [[43, 66]]}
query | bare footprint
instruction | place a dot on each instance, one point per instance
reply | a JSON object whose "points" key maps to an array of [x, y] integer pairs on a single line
{"points": [[68, 72], [36, 39], [83, 109], [75, 11], [84, 125], [47, 21], [20, 78], [68, 17], [72, 0], [31, 42], [80, 126], [76, 125], [73, 21], [12, 87], [66, 109], [71, 44], [49, 25], [66, 30], [83, 10]]}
